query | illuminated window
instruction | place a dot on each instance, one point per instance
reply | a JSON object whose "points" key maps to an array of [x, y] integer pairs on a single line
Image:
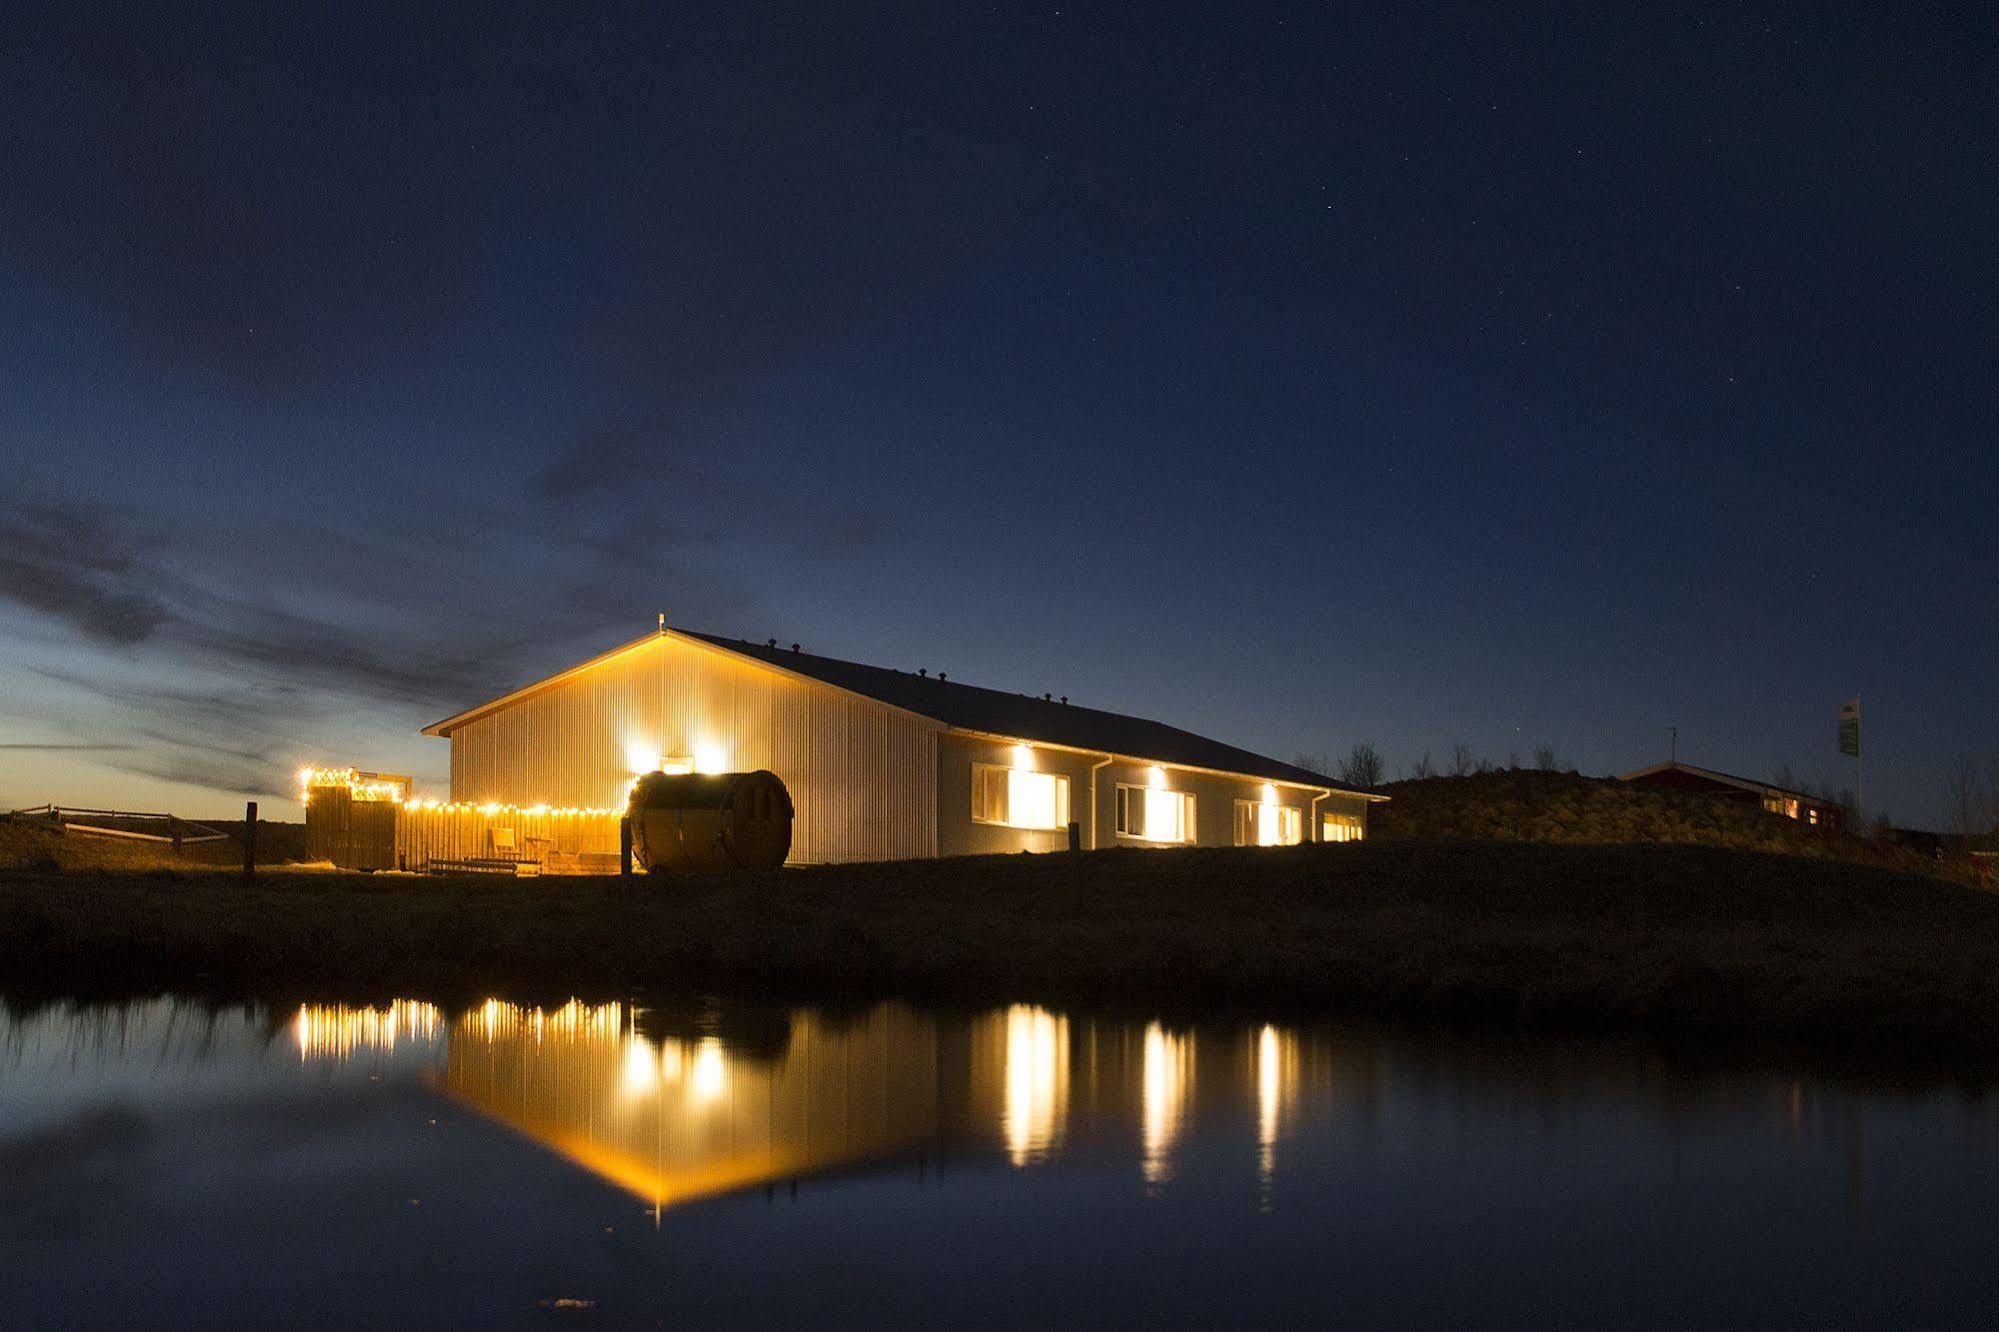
{"points": [[1341, 828], [1016, 798], [1777, 804], [1262, 823], [1154, 814]]}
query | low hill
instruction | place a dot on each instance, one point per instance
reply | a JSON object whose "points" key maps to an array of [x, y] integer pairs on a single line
{"points": [[1535, 806]]}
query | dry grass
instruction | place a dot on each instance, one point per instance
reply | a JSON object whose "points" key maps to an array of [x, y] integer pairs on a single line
{"points": [[35, 843], [1661, 938], [1531, 806]]}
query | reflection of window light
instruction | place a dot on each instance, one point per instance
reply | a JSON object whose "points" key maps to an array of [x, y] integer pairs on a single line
{"points": [[1037, 1079], [641, 1070], [711, 1074], [1169, 1067], [1276, 1062]]}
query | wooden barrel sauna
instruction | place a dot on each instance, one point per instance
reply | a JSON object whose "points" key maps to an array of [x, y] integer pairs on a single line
{"points": [[708, 823]]}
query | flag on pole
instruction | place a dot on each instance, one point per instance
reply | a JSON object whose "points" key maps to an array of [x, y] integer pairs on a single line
{"points": [[1849, 728]]}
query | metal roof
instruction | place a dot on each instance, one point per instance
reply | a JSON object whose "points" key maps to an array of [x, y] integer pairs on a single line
{"points": [[964, 707], [1727, 778], [995, 712]]}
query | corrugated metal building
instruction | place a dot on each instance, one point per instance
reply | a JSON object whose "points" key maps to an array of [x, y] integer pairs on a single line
{"points": [[881, 764]]}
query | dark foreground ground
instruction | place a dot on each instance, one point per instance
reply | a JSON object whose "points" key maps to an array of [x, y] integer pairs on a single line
{"points": [[1686, 940]]}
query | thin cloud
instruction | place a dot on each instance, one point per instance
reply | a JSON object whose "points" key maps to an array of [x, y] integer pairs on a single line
{"points": [[62, 748], [65, 562]]}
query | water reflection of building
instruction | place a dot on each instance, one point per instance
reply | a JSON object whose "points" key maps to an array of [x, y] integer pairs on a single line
{"points": [[680, 1106], [683, 1117]]}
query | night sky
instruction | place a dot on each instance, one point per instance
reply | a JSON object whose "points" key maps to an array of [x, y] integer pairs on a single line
{"points": [[1300, 376]]}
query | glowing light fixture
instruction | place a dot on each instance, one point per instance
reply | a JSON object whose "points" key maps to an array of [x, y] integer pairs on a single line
{"points": [[710, 758], [641, 755]]}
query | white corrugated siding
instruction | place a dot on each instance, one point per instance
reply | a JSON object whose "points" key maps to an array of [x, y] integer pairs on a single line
{"points": [[862, 776]]}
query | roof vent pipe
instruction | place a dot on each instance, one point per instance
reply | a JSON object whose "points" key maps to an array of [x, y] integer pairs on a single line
{"points": [[794, 647], [923, 670]]}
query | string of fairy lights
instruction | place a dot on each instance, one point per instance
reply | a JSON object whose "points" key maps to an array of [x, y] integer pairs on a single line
{"points": [[375, 788]]}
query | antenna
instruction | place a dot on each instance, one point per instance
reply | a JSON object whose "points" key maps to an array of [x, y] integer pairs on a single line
{"points": [[1674, 731]]}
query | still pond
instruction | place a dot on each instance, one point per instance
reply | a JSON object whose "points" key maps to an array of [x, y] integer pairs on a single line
{"points": [[700, 1163]]}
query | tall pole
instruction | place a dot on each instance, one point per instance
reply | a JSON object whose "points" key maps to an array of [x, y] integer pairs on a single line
{"points": [[1860, 773], [250, 840], [1674, 731]]}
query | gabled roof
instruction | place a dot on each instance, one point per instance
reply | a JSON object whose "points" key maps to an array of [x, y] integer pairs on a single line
{"points": [[970, 708], [1725, 778], [995, 712]]}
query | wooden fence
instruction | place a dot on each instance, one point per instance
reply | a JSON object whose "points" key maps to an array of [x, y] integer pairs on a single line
{"points": [[132, 825], [554, 841], [353, 834]]}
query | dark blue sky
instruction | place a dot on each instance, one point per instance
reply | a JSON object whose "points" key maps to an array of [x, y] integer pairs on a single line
{"points": [[1485, 374]]}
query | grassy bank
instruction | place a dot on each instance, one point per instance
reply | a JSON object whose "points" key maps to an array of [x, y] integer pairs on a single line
{"points": [[1667, 939], [33, 842]]}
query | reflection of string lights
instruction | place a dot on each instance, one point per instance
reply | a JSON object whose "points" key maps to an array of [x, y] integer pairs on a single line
{"points": [[326, 1031], [335, 1030], [575, 1020]]}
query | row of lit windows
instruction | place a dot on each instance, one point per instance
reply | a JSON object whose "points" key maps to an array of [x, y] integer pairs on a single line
{"points": [[1019, 798], [1789, 808], [1341, 828]]}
